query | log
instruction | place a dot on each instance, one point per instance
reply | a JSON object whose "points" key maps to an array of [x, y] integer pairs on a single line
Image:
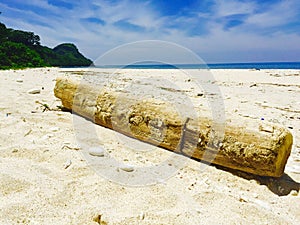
{"points": [[263, 150]]}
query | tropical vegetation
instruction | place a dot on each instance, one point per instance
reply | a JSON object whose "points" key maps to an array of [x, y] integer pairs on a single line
{"points": [[22, 49]]}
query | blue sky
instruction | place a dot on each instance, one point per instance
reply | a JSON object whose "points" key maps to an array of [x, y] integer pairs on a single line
{"points": [[217, 30]]}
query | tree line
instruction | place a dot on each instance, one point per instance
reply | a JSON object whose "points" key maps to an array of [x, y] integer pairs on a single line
{"points": [[22, 49]]}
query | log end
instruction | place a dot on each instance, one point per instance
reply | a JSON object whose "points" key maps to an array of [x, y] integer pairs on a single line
{"points": [[284, 151]]}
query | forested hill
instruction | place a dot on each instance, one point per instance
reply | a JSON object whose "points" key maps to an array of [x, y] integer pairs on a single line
{"points": [[21, 49]]}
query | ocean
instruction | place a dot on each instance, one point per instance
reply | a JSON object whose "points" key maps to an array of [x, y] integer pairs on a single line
{"points": [[265, 65]]}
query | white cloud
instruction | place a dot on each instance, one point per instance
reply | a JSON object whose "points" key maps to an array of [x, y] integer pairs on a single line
{"points": [[278, 14], [243, 42], [230, 7]]}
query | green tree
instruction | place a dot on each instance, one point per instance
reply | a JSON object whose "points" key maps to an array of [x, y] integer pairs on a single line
{"points": [[3, 33], [19, 49], [24, 37], [18, 55]]}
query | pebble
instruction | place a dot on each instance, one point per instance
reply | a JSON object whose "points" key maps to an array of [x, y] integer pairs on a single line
{"points": [[294, 193], [255, 195], [34, 91], [142, 216], [97, 218], [199, 211], [266, 128], [47, 136], [54, 129], [262, 204], [19, 80], [96, 151], [127, 168]]}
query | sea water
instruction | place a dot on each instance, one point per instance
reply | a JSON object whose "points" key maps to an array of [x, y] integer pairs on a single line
{"points": [[260, 65]]}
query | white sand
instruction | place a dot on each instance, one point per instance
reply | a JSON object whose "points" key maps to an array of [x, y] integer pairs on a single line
{"points": [[46, 179]]}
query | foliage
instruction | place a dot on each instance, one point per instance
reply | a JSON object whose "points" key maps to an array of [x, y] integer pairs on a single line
{"points": [[18, 55], [69, 53], [21, 49]]}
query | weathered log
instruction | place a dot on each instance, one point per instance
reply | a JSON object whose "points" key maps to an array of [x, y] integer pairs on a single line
{"points": [[263, 151]]}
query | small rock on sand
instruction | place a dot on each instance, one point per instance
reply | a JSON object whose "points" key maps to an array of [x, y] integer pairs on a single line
{"points": [[127, 168], [96, 151], [142, 216], [266, 128], [294, 193], [54, 129]]}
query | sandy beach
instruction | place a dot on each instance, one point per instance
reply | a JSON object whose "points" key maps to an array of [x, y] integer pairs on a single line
{"points": [[46, 178]]}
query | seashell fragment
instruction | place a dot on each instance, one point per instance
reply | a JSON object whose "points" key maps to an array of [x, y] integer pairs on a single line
{"points": [[127, 168], [34, 91]]}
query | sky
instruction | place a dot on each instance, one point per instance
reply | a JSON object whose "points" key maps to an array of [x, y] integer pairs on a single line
{"points": [[218, 31]]}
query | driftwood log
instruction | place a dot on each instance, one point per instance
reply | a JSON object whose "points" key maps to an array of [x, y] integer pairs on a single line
{"points": [[263, 151]]}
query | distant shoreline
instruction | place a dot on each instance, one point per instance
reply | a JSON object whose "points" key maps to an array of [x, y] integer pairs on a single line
{"points": [[265, 65]]}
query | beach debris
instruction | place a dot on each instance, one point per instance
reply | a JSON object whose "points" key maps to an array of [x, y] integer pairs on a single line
{"points": [[45, 106], [71, 148], [67, 164], [266, 128], [27, 133], [34, 91], [126, 168], [47, 136], [142, 216], [294, 193], [261, 203], [19, 80], [242, 199], [54, 129], [249, 150], [96, 151], [297, 159], [98, 218], [253, 85], [281, 189], [15, 150]]}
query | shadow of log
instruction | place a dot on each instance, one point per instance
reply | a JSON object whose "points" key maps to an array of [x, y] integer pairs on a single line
{"points": [[280, 186]]}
